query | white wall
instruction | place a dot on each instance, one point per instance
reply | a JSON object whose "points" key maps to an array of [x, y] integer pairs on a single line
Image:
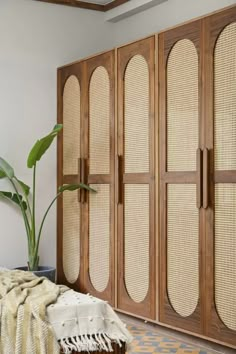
{"points": [[162, 16], [36, 38]]}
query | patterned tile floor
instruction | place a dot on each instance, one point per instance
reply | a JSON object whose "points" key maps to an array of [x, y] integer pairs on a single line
{"points": [[148, 341]]}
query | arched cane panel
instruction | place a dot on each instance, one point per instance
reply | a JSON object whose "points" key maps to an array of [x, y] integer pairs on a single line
{"points": [[136, 158], [182, 248], [182, 107], [137, 240], [182, 143], [71, 236], [99, 163], [225, 160], [71, 126], [99, 236], [136, 115], [71, 154], [99, 122]]}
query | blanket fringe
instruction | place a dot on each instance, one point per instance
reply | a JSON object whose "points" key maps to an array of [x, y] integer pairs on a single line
{"points": [[89, 343]]}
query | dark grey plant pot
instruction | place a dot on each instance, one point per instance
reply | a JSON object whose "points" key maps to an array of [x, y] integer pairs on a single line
{"points": [[48, 272]]}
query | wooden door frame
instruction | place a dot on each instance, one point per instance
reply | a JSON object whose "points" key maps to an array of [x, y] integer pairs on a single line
{"points": [[212, 27], [146, 48], [168, 315], [107, 60], [63, 75]]}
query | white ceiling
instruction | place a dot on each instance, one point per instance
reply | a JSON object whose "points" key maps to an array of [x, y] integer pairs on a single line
{"points": [[100, 2]]}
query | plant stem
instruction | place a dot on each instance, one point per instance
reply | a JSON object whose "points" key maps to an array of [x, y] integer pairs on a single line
{"points": [[26, 221], [33, 209], [43, 220]]}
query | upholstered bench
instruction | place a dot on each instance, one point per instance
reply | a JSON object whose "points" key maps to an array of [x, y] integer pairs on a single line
{"points": [[117, 349]]}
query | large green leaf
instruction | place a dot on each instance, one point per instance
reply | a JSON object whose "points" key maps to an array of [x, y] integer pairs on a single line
{"points": [[24, 186], [5, 169], [73, 187], [2, 174], [41, 146], [14, 198]]}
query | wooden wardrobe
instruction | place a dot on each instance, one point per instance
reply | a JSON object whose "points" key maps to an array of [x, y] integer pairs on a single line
{"points": [[86, 222], [197, 152], [152, 127]]}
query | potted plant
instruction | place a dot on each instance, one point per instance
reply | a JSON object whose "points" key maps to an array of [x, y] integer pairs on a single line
{"points": [[21, 196]]}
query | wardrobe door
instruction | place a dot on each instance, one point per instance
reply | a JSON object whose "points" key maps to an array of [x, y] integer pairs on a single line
{"points": [[181, 238], [136, 246], [99, 213], [220, 112], [69, 226]]}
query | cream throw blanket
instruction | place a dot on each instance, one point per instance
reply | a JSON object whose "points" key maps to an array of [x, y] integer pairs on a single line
{"points": [[85, 323], [38, 317], [23, 302]]}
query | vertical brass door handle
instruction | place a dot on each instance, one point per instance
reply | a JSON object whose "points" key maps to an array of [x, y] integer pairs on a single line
{"points": [[120, 179], [79, 179], [206, 171], [199, 178], [84, 179]]}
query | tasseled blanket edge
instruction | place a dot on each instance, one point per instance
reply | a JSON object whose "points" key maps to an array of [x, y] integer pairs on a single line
{"points": [[89, 343]]}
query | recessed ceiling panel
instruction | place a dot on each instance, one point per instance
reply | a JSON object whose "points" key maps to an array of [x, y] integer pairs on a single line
{"points": [[99, 2], [98, 5]]}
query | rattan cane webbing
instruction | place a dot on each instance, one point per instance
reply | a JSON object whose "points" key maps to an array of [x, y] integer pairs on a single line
{"points": [[225, 99], [99, 236], [225, 253], [136, 240], [182, 107], [99, 122], [182, 248], [136, 115], [71, 126], [71, 236]]}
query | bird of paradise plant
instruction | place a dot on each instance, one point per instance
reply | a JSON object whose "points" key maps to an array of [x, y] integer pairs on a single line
{"points": [[21, 194]]}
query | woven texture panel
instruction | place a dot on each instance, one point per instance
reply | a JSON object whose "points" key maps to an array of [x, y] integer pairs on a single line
{"points": [[225, 99], [99, 236], [136, 240], [99, 122], [71, 126], [225, 253], [71, 236], [136, 115], [182, 248], [182, 107]]}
